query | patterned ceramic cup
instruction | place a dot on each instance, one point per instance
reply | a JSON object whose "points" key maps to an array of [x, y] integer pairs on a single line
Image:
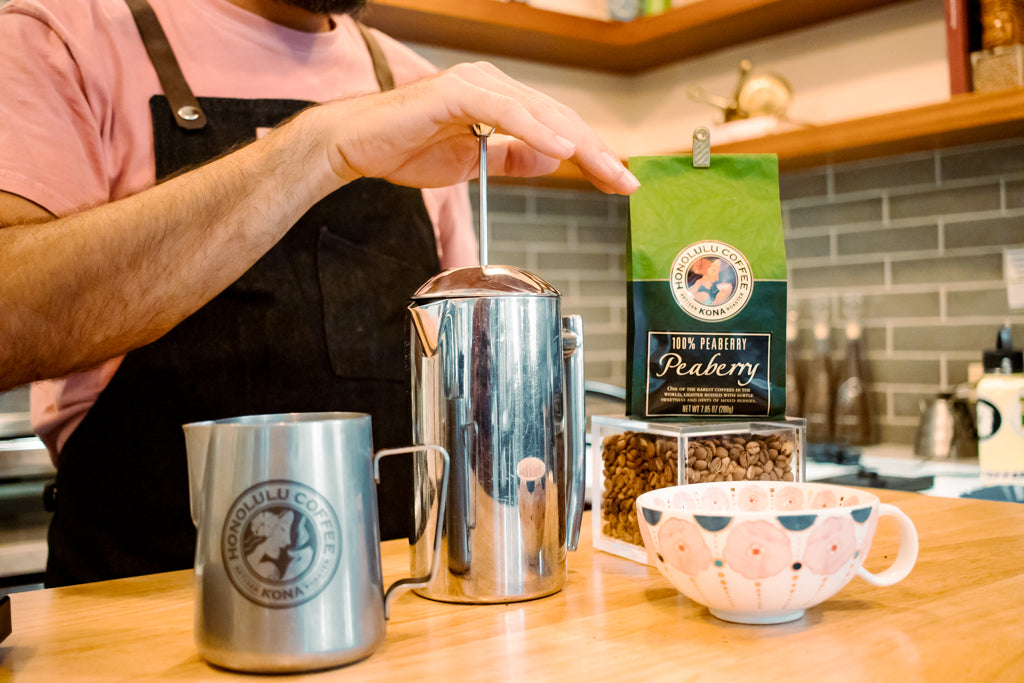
{"points": [[763, 552]]}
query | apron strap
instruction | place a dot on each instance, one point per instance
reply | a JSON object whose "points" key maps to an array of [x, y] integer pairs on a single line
{"points": [[187, 112], [385, 79], [184, 105]]}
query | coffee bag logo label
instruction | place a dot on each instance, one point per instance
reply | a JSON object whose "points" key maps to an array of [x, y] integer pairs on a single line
{"points": [[711, 280], [281, 543]]}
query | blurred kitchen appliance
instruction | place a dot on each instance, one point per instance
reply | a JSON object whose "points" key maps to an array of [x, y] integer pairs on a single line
{"points": [[25, 471], [999, 410], [497, 380], [946, 429]]}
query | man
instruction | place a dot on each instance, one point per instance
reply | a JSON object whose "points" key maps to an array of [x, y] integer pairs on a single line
{"points": [[271, 277]]}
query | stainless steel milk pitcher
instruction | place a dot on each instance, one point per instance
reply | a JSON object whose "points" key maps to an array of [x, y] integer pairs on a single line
{"points": [[288, 572], [497, 380]]}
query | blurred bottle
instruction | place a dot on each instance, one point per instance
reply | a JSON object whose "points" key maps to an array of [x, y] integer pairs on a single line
{"points": [[818, 392], [794, 378], [1002, 23], [854, 419]]}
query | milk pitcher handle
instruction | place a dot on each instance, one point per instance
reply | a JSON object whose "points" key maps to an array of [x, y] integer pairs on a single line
{"points": [[402, 585], [575, 426]]}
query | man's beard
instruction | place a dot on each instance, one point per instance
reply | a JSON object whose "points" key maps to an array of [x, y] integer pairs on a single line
{"points": [[328, 6]]}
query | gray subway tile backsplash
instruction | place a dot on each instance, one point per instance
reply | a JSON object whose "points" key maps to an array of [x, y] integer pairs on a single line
{"points": [[1015, 194], [941, 337], [975, 302], [508, 254], [804, 184], [609, 233], [820, 276], [920, 237], [501, 230], [958, 371], [945, 201], [946, 269], [885, 240], [890, 371], [885, 174], [981, 161], [1003, 230], [578, 205], [896, 304], [836, 213], [808, 247], [612, 290], [574, 261], [906, 404], [511, 200]]}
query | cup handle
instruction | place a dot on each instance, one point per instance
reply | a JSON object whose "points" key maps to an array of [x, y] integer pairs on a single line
{"points": [[402, 585], [905, 557]]}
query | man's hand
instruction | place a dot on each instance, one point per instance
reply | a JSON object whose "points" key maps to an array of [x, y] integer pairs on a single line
{"points": [[78, 290], [419, 135]]}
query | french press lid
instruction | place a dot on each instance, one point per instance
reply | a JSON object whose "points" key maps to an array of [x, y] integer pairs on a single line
{"points": [[483, 281]]}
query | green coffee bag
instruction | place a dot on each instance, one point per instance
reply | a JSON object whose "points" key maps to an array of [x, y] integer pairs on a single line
{"points": [[706, 289]]}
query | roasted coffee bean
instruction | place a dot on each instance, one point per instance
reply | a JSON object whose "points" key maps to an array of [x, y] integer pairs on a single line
{"points": [[636, 463], [651, 462]]}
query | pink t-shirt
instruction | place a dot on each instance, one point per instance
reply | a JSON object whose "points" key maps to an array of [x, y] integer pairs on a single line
{"points": [[75, 84]]}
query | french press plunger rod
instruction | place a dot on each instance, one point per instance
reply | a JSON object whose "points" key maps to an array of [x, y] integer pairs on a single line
{"points": [[482, 132]]}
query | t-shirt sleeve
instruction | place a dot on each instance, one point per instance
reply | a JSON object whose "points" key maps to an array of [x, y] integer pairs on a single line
{"points": [[50, 139], [451, 214]]}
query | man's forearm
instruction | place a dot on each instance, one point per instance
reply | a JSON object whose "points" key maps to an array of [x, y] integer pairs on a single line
{"points": [[79, 290]]}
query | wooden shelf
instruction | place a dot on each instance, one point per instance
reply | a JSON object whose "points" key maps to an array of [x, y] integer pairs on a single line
{"points": [[514, 29], [964, 119]]}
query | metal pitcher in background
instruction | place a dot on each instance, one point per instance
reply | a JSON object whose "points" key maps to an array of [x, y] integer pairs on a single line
{"points": [[497, 380]]}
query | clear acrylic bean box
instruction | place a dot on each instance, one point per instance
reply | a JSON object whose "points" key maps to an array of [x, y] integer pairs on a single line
{"points": [[630, 457]]}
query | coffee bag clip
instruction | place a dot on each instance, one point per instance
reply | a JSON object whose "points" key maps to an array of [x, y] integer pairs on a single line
{"points": [[701, 147]]}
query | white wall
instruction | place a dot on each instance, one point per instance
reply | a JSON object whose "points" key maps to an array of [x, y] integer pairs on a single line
{"points": [[884, 60]]}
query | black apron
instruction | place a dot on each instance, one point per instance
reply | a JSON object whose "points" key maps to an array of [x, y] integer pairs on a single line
{"points": [[317, 324]]}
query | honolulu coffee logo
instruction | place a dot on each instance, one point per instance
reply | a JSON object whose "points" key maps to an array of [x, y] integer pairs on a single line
{"points": [[281, 543], [711, 280]]}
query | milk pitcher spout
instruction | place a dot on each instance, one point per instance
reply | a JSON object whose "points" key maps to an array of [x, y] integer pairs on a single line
{"points": [[197, 446]]}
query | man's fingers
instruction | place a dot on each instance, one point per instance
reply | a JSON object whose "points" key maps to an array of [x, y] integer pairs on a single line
{"points": [[541, 122]]}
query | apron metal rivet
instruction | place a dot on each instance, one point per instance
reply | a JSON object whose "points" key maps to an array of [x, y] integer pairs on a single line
{"points": [[188, 112]]}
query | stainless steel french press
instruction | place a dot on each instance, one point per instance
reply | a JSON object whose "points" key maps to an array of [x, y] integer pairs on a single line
{"points": [[497, 380]]}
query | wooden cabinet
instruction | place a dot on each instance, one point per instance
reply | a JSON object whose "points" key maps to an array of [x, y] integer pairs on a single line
{"points": [[964, 119], [514, 29]]}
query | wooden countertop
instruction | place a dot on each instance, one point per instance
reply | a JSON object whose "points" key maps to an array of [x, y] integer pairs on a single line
{"points": [[957, 617]]}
